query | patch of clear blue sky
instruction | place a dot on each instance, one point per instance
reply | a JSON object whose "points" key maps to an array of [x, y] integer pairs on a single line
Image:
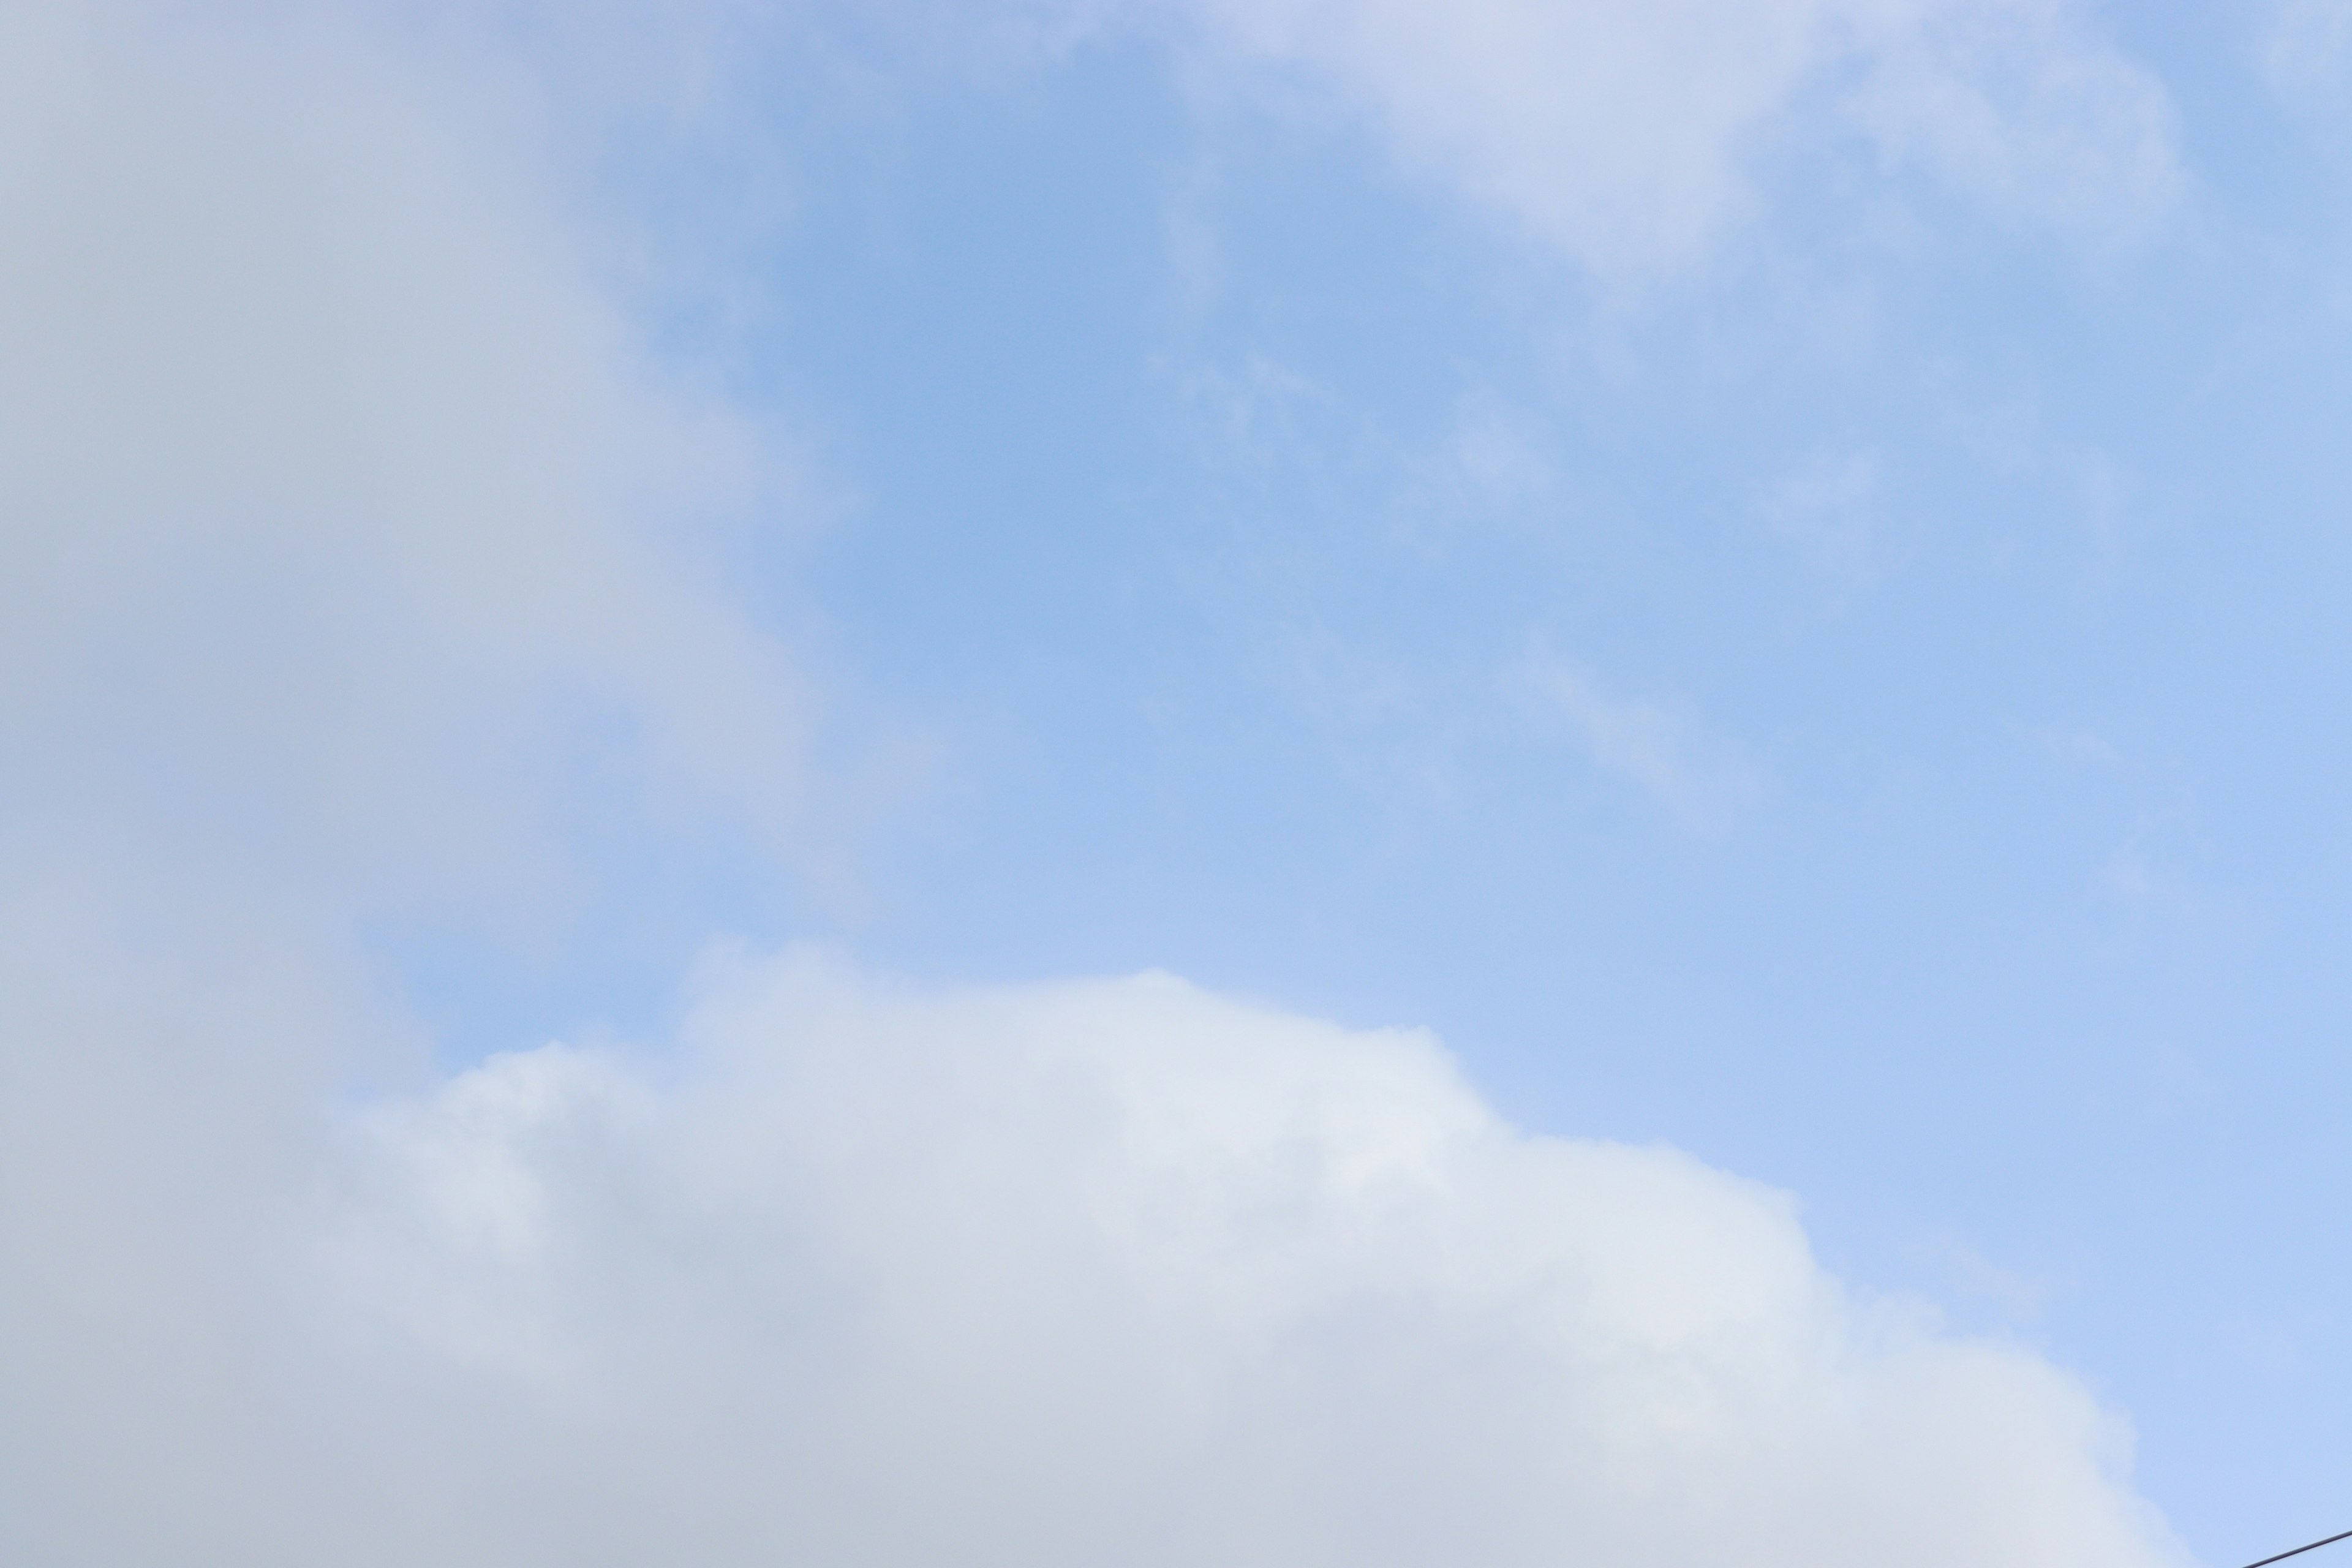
{"points": [[2027, 947]]}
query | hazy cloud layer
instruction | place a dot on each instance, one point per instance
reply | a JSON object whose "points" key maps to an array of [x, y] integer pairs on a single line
{"points": [[331, 477]]}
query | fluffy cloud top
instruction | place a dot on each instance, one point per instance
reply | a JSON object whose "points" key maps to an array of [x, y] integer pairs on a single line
{"points": [[1102, 1271], [1121, 1270]]}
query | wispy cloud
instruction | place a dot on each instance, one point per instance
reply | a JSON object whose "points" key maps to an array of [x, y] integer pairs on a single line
{"points": [[2304, 47], [1624, 134], [2150, 807], [1826, 506], [1701, 781]]}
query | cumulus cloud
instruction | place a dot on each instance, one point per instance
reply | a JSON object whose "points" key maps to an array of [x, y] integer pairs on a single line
{"points": [[1113, 1270], [1628, 133]]}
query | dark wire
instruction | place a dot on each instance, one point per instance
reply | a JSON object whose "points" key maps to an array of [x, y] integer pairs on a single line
{"points": [[2299, 1550]]}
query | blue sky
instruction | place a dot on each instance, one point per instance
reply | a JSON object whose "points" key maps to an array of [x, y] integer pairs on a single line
{"points": [[1772, 575], [1999, 574]]}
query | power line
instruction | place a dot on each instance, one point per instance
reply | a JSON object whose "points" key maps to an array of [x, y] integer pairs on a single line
{"points": [[2299, 1550]]}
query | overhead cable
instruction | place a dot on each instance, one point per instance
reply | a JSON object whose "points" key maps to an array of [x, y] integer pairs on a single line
{"points": [[2299, 1550]]}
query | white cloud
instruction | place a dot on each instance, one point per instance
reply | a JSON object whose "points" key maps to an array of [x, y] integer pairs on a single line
{"points": [[1626, 133], [330, 476], [1113, 1270], [1703, 782], [2015, 104]]}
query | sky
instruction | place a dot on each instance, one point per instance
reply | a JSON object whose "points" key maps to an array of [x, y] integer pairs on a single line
{"points": [[1180, 780]]}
